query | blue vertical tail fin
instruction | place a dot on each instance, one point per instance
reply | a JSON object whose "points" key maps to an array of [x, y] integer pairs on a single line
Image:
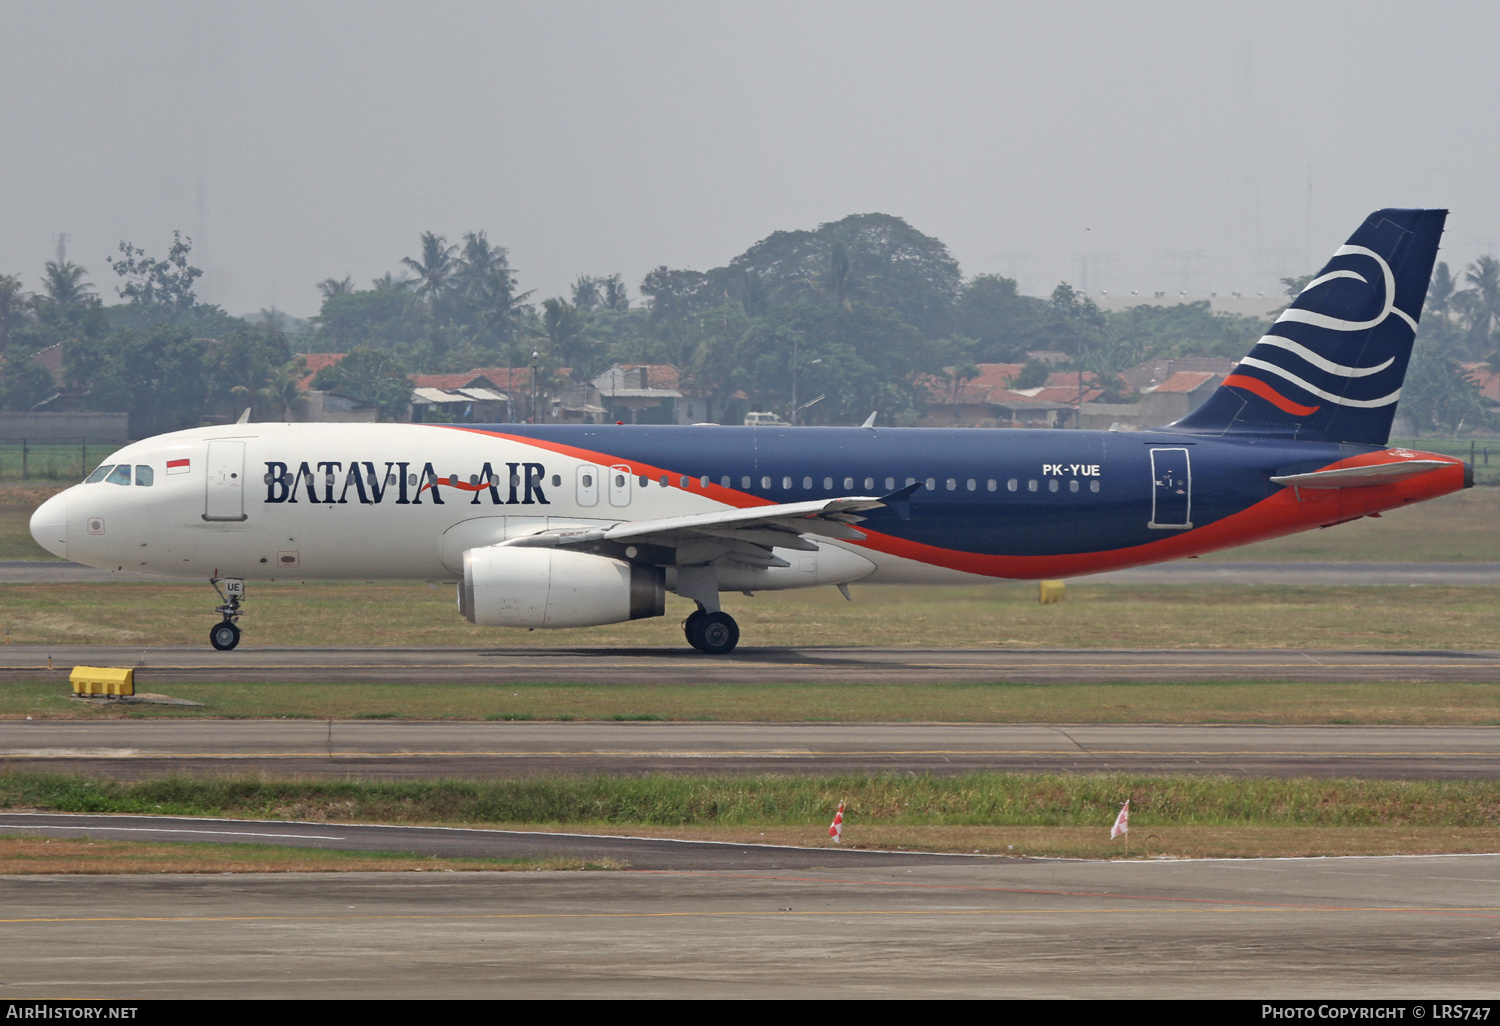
{"points": [[1332, 365]]}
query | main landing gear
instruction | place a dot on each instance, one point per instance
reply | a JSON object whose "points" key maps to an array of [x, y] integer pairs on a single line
{"points": [[713, 633], [225, 634]]}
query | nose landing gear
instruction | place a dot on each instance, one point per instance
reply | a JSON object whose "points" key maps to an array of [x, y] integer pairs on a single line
{"points": [[226, 634]]}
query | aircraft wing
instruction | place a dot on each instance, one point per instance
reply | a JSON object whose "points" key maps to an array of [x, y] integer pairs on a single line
{"points": [[743, 535]]}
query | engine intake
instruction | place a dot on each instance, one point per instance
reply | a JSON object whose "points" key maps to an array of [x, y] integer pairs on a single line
{"points": [[524, 587]]}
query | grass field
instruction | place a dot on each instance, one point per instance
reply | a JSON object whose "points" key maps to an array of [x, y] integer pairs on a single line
{"points": [[1066, 815], [986, 616], [21, 854], [1218, 702]]}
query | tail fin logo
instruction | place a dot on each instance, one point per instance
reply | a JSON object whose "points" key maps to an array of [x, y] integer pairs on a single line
{"points": [[1349, 297]]}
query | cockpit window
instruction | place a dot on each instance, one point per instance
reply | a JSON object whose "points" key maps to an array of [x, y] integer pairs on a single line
{"points": [[120, 475], [98, 475], [144, 475]]}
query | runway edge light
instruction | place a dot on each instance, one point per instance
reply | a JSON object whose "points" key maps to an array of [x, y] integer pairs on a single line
{"points": [[103, 680]]}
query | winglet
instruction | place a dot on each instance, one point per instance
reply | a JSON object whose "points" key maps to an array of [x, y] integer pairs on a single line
{"points": [[870, 420], [244, 417], [900, 501]]}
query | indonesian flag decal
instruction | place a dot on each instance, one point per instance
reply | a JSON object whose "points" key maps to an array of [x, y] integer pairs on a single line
{"points": [[179, 466], [836, 831], [1122, 821]]}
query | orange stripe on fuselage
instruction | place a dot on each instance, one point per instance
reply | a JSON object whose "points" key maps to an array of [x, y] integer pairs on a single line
{"points": [[1288, 511]]}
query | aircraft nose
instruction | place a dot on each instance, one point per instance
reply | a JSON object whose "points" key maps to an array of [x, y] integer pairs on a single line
{"points": [[49, 525]]}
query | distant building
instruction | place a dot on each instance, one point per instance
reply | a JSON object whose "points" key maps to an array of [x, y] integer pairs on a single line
{"points": [[639, 393], [467, 398], [989, 400]]}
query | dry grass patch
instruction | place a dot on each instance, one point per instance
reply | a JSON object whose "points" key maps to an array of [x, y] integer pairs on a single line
{"points": [[25, 855], [1077, 842]]}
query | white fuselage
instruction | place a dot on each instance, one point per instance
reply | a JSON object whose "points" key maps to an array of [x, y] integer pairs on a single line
{"points": [[358, 502]]}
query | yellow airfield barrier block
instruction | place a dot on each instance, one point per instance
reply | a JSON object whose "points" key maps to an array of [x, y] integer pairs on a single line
{"points": [[102, 680], [1050, 592]]}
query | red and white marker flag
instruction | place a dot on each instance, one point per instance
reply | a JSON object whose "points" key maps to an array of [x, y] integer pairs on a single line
{"points": [[1122, 821], [836, 831]]}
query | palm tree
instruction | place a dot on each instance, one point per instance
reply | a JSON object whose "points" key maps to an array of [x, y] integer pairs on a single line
{"points": [[331, 287], [436, 269], [1480, 305], [480, 260], [66, 293], [498, 304], [567, 326]]}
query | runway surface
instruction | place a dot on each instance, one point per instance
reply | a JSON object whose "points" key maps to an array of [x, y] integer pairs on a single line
{"points": [[1182, 572], [1383, 928], [749, 665], [132, 749]]}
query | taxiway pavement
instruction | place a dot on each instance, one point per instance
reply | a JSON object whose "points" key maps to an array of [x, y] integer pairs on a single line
{"points": [[1288, 929], [748, 665], [390, 749]]}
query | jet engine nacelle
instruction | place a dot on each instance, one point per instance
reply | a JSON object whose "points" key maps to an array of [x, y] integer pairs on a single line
{"points": [[533, 587]]}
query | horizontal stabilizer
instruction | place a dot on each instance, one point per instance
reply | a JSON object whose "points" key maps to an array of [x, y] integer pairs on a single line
{"points": [[1358, 477]]}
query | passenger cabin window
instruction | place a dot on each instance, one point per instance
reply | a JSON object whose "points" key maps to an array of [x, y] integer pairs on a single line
{"points": [[828, 484], [1093, 486], [645, 480], [99, 473], [890, 484], [1012, 485], [666, 481], [869, 484], [952, 484], [1052, 484], [1073, 485], [120, 475], [848, 484], [807, 483], [786, 483], [972, 485], [745, 482], [932, 484], [990, 484], [765, 484], [726, 482], [144, 475], [1031, 485]]}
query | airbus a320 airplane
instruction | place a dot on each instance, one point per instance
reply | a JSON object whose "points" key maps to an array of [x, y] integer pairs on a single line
{"points": [[571, 526]]}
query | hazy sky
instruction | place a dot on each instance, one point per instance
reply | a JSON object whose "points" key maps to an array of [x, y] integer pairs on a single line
{"points": [[1128, 143]]}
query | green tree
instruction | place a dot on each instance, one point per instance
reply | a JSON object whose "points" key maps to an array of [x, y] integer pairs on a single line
{"points": [[1479, 305], [23, 383], [436, 271], [567, 328], [161, 290], [374, 376], [12, 309], [1440, 395]]}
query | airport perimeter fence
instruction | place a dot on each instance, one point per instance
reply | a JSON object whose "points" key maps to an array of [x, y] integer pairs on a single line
{"points": [[52, 459]]}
